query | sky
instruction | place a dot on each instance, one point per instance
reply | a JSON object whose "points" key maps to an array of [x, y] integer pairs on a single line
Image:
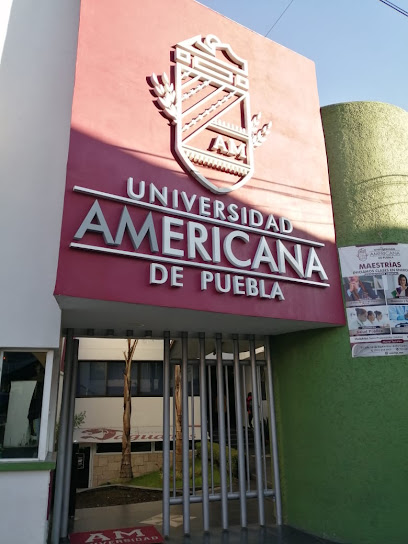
{"points": [[360, 47]]}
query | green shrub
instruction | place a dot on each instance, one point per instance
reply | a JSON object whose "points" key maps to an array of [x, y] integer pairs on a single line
{"points": [[216, 456]]}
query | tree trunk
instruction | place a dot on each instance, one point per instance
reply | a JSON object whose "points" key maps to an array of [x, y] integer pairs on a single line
{"points": [[126, 472], [179, 413]]}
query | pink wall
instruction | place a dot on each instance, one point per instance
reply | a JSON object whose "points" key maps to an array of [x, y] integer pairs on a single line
{"points": [[118, 132]]}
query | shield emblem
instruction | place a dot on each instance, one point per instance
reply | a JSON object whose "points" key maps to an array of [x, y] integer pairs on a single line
{"points": [[209, 107]]}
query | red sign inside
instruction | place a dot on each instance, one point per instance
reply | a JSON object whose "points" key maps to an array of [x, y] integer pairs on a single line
{"points": [[118, 536]]}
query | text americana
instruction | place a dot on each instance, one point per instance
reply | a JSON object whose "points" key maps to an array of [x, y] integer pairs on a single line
{"points": [[193, 240]]}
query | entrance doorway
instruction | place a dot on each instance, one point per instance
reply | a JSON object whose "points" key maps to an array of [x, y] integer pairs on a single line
{"points": [[81, 466], [205, 430]]}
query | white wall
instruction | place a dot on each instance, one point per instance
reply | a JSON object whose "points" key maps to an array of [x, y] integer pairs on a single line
{"points": [[107, 412], [111, 349], [36, 84], [38, 51], [23, 506], [147, 412]]}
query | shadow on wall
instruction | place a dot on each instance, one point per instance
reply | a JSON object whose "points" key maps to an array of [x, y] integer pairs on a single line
{"points": [[100, 166]]}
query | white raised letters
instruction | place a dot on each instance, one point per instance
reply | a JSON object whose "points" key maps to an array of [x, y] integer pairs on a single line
{"points": [[229, 148], [208, 233]]}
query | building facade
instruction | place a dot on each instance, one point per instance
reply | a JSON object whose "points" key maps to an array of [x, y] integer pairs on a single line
{"points": [[135, 204]]}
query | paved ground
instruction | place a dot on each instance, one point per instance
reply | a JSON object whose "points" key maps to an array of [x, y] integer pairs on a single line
{"points": [[130, 515], [150, 513]]}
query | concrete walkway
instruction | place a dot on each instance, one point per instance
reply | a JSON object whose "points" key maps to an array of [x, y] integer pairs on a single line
{"points": [[131, 515]]}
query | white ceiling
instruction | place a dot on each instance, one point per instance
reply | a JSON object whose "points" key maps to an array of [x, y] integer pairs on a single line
{"points": [[117, 319]]}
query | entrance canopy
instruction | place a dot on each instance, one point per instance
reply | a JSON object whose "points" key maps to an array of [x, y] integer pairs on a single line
{"points": [[114, 319]]}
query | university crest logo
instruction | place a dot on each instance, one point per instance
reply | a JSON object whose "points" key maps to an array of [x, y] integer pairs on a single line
{"points": [[208, 105]]}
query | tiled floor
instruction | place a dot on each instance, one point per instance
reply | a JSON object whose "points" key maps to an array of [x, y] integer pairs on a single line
{"points": [[131, 515]]}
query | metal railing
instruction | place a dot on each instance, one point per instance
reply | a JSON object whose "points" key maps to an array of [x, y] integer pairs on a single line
{"points": [[223, 420], [223, 386]]}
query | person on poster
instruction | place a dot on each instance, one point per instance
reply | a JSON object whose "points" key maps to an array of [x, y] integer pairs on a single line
{"points": [[379, 319], [371, 318], [360, 321], [359, 290], [402, 289]]}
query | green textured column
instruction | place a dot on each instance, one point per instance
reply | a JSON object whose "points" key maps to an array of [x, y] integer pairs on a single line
{"points": [[367, 149], [343, 422]]}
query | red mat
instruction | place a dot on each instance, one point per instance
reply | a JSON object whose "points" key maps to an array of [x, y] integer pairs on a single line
{"points": [[130, 535]]}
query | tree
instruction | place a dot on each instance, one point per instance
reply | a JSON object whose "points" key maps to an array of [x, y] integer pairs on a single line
{"points": [[179, 414], [126, 472]]}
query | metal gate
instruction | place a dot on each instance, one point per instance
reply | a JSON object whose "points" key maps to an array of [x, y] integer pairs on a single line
{"points": [[219, 372], [244, 470]]}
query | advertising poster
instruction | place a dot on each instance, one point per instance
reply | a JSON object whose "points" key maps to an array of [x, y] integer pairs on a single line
{"points": [[375, 289]]}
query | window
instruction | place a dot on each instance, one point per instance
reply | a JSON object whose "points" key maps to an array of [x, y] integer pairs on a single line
{"points": [[92, 379], [116, 447], [147, 379], [21, 399], [158, 446], [114, 383], [105, 379], [193, 373]]}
